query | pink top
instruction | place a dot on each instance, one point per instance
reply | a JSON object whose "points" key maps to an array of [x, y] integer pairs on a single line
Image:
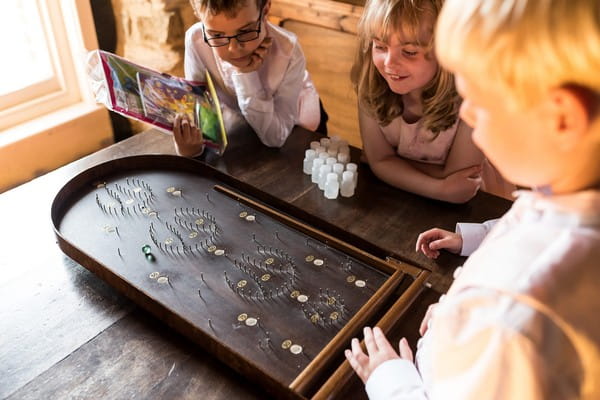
{"points": [[414, 142]]}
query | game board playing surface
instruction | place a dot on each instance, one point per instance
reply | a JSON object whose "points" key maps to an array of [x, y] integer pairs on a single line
{"points": [[213, 266]]}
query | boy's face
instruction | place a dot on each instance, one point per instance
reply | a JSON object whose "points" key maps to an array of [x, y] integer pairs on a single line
{"points": [[516, 141], [247, 19], [406, 66]]}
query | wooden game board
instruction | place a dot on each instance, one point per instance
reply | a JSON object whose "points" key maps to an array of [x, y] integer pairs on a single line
{"points": [[270, 296]]}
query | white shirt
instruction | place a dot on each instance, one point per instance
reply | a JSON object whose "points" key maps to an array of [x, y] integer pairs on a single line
{"points": [[521, 320], [279, 95]]}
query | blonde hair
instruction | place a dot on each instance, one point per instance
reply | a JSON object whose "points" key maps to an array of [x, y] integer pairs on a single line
{"points": [[381, 18], [526, 47]]}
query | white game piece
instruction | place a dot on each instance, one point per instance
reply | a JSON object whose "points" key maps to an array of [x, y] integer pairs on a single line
{"points": [[344, 150], [338, 168], [325, 142], [332, 186], [302, 298], [343, 158], [332, 152], [309, 156], [317, 163], [314, 145], [323, 171], [295, 349], [347, 186], [330, 161], [354, 168]]}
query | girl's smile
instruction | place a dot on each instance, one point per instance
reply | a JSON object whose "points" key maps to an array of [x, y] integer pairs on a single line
{"points": [[396, 77]]}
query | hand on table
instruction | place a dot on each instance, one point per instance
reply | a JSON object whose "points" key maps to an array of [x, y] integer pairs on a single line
{"points": [[379, 350], [432, 241]]}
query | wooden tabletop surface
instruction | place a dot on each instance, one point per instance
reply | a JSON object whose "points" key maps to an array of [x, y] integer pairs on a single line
{"points": [[66, 334]]}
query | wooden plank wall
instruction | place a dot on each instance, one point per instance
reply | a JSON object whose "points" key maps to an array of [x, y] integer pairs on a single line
{"points": [[327, 32]]}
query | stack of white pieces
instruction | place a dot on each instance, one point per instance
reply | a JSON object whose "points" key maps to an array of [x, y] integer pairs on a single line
{"points": [[328, 164]]}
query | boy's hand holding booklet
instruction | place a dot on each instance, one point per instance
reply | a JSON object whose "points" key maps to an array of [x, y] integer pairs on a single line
{"points": [[149, 96]]}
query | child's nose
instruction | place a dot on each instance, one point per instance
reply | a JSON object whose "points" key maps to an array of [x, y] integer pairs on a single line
{"points": [[234, 45], [392, 58]]}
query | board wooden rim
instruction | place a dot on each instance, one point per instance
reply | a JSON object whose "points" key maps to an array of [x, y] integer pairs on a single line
{"points": [[307, 380]]}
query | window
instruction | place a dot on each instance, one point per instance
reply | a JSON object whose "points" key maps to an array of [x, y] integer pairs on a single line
{"points": [[30, 60], [39, 76], [43, 87]]}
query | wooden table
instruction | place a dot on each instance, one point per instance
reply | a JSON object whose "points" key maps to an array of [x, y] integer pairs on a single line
{"points": [[66, 334]]}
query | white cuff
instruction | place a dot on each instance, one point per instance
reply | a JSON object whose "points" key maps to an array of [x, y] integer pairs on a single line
{"points": [[395, 379], [472, 236]]}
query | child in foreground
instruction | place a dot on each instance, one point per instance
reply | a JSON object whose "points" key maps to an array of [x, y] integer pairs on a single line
{"points": [[259, 71], [520, 321]]}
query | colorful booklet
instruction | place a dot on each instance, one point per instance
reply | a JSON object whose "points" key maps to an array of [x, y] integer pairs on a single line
{"points": [[155, 98]]}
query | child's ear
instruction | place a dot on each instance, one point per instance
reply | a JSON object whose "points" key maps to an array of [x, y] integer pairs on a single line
{"points": [[266, 8], [572, 114]]}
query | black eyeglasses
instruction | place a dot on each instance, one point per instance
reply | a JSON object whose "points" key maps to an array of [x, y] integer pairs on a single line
{"points": [[246, 36]]}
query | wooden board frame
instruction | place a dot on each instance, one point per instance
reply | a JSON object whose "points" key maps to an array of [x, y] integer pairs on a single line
{"points": [[334, 384], [306, 382]]}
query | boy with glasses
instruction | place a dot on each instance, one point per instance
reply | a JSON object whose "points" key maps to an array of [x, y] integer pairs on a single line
{"points": [[258, 68]]}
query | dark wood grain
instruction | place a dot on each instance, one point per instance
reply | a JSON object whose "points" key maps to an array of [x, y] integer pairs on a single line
{"points": [[137, 358], [49, 305]]}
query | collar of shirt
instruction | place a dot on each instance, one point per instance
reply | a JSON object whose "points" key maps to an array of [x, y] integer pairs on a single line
{"points": [[575, 209]]}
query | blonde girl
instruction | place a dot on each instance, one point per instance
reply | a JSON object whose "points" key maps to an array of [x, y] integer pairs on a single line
{"points": [[412, 135]]}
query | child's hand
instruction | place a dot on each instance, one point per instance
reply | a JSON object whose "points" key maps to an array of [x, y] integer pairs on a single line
{"points": [[432, 241], [462, 185], [257, 58], [379, 350], [188, 138]]}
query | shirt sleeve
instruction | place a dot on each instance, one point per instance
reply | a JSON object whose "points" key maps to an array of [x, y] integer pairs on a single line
{"points": [[480, 361], [272, 117], [473, 235], [486, 344], [193, 67], [480, 350], [395, 379]]}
